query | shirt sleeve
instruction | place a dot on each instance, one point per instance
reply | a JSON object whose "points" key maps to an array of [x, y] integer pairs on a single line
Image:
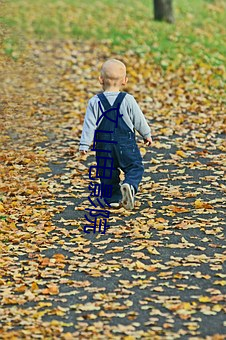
{"points": [[138, 119], [89, 128]]}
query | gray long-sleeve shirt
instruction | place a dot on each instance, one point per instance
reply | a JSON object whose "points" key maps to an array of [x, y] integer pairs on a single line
{"points": [[132, 116]]}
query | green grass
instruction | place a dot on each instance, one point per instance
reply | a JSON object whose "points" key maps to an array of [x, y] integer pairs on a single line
{"points": [[198, 30]]}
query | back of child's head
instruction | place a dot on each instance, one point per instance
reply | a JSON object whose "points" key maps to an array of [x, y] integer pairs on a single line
{"points": [[113, 71]]}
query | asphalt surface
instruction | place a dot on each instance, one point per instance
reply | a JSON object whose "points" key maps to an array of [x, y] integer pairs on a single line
{"points": [[180, 293], [158, 272]]}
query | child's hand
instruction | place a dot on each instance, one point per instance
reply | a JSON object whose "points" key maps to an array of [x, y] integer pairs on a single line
{"points": [[148, 141], [83, 152]]}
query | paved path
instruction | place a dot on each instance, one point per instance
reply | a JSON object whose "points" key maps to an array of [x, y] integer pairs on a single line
{"points": [[157, 273]]}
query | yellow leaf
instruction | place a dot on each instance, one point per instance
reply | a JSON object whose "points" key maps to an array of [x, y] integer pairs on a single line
{"points": [[217, 308], [12, 225], [199, 204], [140, 265], [53, 289], [44, 304], [204, 299], [158, 289], [155, 161], [222, 283], [34, 286], [1, 208], [187, 306], [143, 151], [116, 250], [20, 289], [55, 323], [153, 251], [68, 336], [193, 326], [160, 227], [59, 257], [181, 154]]}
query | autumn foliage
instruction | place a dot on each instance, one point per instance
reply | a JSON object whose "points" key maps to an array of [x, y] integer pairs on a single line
{"points": [[158, 271]]}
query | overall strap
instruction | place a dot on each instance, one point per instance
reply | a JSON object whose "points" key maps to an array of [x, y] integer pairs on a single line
{"points": [[106, 103], [119, 99]]}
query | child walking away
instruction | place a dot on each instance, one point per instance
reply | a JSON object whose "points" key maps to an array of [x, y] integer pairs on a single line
{"points": [[110, 123]]}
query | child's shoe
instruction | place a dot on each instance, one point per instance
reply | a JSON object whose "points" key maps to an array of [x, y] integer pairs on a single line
{"points": [[116, 205], [128, 193]]}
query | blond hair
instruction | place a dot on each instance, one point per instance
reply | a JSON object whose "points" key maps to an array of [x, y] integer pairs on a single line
{"points": [[113, 71]]}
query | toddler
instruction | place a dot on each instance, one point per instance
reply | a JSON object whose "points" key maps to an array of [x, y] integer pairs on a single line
{"points": [[110, 123]]}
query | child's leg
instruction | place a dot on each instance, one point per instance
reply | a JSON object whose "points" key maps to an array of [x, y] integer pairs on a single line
{"points": [[114, 182], [114, 173], [131, 164]]}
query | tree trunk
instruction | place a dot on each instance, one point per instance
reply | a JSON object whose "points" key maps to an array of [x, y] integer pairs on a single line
{"points": [[163, 10]]}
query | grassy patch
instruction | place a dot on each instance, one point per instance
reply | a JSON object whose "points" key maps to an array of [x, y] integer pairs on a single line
{"points": [[198, 31]]}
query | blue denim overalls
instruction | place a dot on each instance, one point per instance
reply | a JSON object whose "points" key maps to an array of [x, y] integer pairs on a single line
{"points": [[117, 142]]}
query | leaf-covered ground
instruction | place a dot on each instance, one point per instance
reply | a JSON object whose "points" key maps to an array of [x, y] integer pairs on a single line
{"points": [[158, 271], [199, 29]]}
